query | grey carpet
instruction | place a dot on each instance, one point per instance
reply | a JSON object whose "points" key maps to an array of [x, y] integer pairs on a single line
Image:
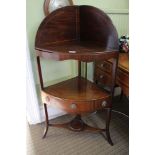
{"points": [[64, 142]]}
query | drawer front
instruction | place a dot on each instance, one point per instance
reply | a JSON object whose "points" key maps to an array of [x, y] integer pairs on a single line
{"points": [[105, 66], [75, 107], [122, 77], [103, 77], [100, 104], [68, 106]]}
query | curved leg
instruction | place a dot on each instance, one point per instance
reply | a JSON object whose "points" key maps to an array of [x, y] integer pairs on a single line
{"points": [[107, 126], [46, 121]]}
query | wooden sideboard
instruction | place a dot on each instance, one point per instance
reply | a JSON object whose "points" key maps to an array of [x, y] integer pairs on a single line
{"points": [[103, 71]]}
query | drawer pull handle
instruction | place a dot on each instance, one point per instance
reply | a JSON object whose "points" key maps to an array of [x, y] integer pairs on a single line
{"points": [[102, 65], [104, 103], [73, 106], [101, 76]]}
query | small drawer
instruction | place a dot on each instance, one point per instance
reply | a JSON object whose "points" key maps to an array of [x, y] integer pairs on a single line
{"points": [[82, 107], [122, 77], [100, 104], [103, 77], [105, 66], [68, 106]]}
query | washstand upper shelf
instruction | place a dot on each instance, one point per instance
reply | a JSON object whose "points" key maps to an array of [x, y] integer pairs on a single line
{"points": [[82, 33]]}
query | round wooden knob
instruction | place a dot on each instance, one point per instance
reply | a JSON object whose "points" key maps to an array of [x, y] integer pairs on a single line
{"points": [[101, 76], [104, 103], [73, 106], [102, 65]]}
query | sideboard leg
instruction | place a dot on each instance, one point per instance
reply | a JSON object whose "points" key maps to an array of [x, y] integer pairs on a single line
{"points": [[107, 126], [121, 95], [46, 121]]}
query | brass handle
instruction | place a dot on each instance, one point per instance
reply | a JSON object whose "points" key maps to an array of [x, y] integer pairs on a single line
{"points": [[73, 106], [104, 103]]}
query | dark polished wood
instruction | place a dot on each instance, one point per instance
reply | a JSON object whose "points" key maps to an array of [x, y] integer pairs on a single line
{"points": [[72, 24], [103, 71], [84, 51], [79, 68], [46, 121], [76, 96], [40, 72], [82, 33], [122, 76], [107, 126], [96, 26], [77, 124]]}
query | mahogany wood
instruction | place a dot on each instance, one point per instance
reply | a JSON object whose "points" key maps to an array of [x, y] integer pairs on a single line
{"points": [[84, 52], [104, 69], [82, 33], [103, 77], [122, 76], [107, 126], [79, 68], [78, 89], [76, 96], [77, 124], [96, 26], [39, 72], [46, 121], [76, 24], [114, 69]]}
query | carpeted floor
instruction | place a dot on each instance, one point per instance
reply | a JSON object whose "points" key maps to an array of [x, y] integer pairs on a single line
{"points": [[65, 142]]}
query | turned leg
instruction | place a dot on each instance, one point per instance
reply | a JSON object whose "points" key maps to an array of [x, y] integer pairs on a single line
{"points": [[107, 126], [46, 121]]}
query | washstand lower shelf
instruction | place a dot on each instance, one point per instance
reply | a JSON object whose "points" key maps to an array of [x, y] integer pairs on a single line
{"points": [[77, 96]]}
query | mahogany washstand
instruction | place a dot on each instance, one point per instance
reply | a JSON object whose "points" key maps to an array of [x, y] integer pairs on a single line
{"points": [[82, 33]]}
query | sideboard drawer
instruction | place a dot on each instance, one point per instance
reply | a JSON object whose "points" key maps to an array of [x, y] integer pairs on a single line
{"points": [[105, 66], [103, 71], [122, 77], [103, 77]]}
